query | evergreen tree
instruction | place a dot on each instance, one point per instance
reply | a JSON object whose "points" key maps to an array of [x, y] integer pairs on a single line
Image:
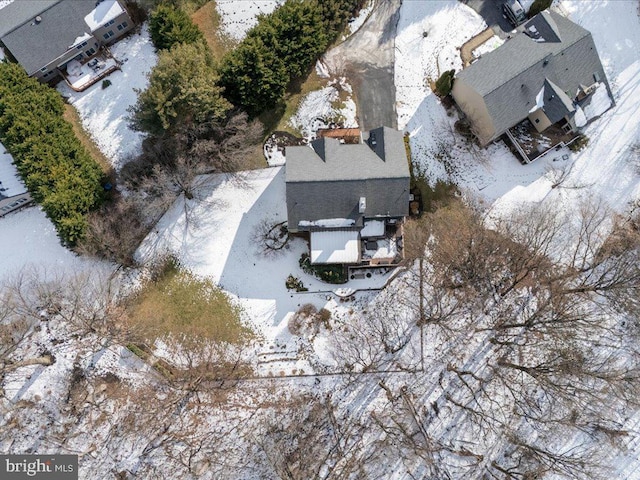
{"points": [[54, 165], [183, 87], [169, 26]]}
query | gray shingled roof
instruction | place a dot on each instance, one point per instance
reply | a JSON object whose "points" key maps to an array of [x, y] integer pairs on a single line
{"points": [[35, 45], [327, 159], [556, 103], [521, 52], [510, 77], [20, 11]]}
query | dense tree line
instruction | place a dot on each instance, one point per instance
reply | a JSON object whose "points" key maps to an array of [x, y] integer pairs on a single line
{"points": [[281, 48], [56, 168]]}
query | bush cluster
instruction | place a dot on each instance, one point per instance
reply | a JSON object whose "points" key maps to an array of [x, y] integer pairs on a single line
{"points": [[335, 274], [280, 48], [444, 84], [56, 168]]}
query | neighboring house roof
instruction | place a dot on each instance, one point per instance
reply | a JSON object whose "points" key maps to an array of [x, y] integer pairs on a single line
{"points": [[521, 52], [21, 11], [62, 24], [548, 48], [103, 12], [382, 155]]}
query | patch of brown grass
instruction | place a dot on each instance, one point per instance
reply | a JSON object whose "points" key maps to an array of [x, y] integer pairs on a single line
{"points": [[180, 303], [71, 116], [208, 21]]}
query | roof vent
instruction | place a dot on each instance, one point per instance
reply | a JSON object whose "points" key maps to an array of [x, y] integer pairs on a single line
{"points": [[38, 19]]}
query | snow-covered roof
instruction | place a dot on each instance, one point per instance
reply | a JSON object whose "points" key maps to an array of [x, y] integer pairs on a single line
{"points": [[335, 246], [105, 11], [372, 228], [329, 223]]}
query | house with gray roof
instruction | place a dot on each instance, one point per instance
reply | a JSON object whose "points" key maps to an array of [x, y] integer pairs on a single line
{"points": [[44, 36], [337, 191], [548, 72]]}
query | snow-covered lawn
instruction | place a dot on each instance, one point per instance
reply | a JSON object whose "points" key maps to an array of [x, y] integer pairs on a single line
{"points": [[216, 238], [356, 22], [28, 239], [104, 111], [237, 17]]}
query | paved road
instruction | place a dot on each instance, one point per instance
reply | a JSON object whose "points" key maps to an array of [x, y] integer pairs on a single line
{"points": [[491, 12], [367, 59]]}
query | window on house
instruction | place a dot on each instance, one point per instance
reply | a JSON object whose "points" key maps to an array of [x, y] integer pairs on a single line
{"points": [[120, 27], [125, 24], [43, 69], [110, 33], [78, 57], [106, 36], [537, 120], [90, 52]]}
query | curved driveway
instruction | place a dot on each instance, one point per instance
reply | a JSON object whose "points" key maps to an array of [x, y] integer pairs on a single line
{"points": [[367, 59]]}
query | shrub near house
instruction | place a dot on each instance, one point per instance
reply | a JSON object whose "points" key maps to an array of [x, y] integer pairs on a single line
{"points": [[56, 168]]}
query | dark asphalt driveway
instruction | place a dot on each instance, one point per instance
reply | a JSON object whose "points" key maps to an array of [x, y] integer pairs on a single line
{"points": [[367, 59]]}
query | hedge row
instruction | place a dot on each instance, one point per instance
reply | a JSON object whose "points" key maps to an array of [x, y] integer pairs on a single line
{"points": [[280, 48], [56, 168]]}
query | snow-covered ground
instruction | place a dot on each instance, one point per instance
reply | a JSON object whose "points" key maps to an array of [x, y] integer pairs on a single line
{"points": [[217, 239], [104, 111], [357, 22], [322, 107], [10, 182], [29, 240], [237, 17]]}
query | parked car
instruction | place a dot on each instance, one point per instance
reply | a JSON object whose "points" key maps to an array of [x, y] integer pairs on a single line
{"points": [[514, 12]]}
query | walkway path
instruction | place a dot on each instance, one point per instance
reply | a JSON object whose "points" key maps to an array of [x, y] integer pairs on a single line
{"points": [[466, 51]]}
